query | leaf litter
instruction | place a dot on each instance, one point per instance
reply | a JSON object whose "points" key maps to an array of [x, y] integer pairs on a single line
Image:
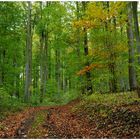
{"points": [[92, 121]]}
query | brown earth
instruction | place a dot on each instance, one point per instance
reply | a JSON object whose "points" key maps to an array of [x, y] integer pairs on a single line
{"points": [[62, 122]]}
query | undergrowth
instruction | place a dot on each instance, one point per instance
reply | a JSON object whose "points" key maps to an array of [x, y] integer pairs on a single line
{"points": [[9, 104], [112, 99], [55, 99], [36, 129], [103, 104]]}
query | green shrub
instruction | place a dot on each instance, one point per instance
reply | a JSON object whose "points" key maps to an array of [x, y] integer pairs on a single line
{"points": [[60, 99], [9, 103], [102, 104], [112, 99]]}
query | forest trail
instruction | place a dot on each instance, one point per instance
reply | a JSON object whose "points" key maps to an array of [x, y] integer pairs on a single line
{"points": [[44, 122], [39, 122], [64, 122]]}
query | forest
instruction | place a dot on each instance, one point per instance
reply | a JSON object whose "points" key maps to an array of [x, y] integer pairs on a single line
{"points": [[70, 69]]}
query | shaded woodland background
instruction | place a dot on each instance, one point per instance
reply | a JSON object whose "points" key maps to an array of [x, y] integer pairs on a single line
{"points": [[53, 52], [69, 69]]}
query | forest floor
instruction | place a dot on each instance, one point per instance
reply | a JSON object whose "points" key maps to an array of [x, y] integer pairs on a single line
{"points": [[74, 121]]}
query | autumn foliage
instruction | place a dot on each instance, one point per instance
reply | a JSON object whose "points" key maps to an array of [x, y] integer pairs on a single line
{"points": [[89, 68]]}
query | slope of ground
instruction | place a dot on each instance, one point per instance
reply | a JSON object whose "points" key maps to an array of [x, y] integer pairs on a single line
{"points": [[78, 119]]}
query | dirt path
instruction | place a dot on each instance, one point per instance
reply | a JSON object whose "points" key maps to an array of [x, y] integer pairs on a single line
{"points": [[49, 122], [34, 122], [62, 122]]}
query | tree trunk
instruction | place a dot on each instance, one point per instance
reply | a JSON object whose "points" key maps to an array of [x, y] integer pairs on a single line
{"points": [[28, 76], [89, 88], [41, 67], [49, 64], [16, 79], [132, 73], [112, 55], [43, 59], [137, 35], [57, 52], [78, 31], [136, 27], [1, 67], [63, 73]]}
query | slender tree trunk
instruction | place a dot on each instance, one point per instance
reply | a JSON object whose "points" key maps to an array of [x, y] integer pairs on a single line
{"points": [[137, 35], [130, 36], [45, 60], [112, 57], [41, 58], [136, 27], [16, 79], [36, 78], [63, 73], [122, 81], [49, 64], [121, 28], [17, 85], [23, 80], [78, 31], [58, 70], [88, 74], [113, 81], [89, 88], [0, 76], [78, 41], [1, 67], [28, 76], [43, 66]]}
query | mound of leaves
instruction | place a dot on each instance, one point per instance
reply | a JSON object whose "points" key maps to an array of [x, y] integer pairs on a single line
{"points": [[92, 120], [112, 121], [16, 125], [9, 126]]}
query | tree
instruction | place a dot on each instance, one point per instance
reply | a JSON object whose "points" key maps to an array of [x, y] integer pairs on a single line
{"points": [[137, 36], [136, 27], [132, 73], [89, 89], [11, 29], [28, 73], [71, 47], [112, 53]]}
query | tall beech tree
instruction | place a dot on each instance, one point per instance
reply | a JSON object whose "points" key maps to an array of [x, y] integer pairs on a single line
{"points": [[28, 73], [137, 36], [89, 88], [136, 27], [130, 35]]}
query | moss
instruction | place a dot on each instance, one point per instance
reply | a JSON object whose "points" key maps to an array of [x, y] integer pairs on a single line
{"points": [[113, 99], [103, 104], [36, 129]]}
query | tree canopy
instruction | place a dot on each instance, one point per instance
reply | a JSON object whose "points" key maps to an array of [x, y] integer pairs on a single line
{"points": [[55, 49]]}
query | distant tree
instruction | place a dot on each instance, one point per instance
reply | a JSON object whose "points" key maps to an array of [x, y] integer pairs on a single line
{"points": [[130, 35], [136, 27], [89, 88], [28, 73], [137, 35]]}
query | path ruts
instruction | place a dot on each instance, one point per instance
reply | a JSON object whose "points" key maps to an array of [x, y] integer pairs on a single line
{"points": [[25, 125]]}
